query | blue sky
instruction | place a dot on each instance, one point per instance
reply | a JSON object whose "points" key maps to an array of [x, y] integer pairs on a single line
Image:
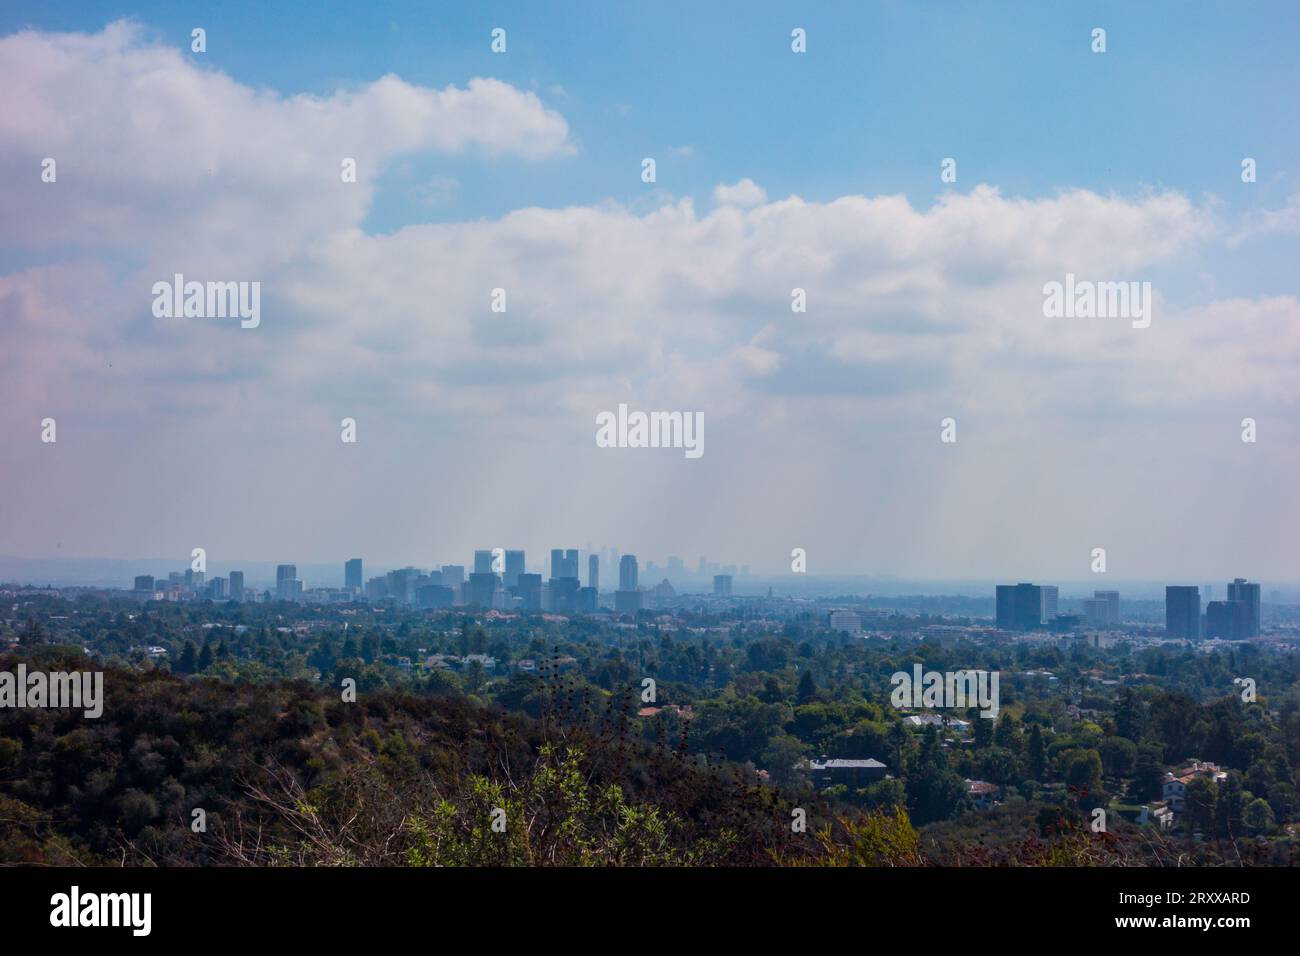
{"points": [[887, 89], [925, 297]]}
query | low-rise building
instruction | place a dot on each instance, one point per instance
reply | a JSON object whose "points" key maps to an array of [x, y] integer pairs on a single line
{"points": [[1174, 788], [852, 772], [982, 794]]}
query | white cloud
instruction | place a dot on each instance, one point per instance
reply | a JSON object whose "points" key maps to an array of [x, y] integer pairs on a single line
{"points": [[913, 314], [144, 137], [744, 193]]}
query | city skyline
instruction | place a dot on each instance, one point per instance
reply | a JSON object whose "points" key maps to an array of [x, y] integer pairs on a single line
{"points": [[1098, 598]]}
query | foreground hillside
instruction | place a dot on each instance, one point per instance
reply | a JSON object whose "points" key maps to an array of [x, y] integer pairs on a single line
{"points": [[195, 771]]}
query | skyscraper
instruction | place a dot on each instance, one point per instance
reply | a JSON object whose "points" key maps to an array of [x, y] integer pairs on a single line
{"points": [[593, 573], [236, 585], [1248, 594], [1111, 599], [287, 585], [1183, 612], [144, 582], [1048, 596], [627, 573], [483, 562], [530, 591], [482, 587], [627, 602], [627, 599], [514, 568], [564, 595], [352, 574], [1019, 607], [564, 563], [721, 584], [1228, 620]]}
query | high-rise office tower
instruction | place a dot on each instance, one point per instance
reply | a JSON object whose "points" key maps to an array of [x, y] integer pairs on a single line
{"points": [[236, 585], [482, 562], [352, 574], [627, 573], [1094, 612], [144, 582], [514, 568], [1248, 594], [1048, 595], [1111, 599], [453, 575], [432, 595], [1183, 612], [564, 595], [593, 573], [482, 587], [1019, 607], [286, 577], [564, 563], [721, 584], [530, 591], [1228, 620]]}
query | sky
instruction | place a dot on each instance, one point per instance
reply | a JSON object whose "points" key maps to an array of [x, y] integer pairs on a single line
{"points": [[774, 171]]}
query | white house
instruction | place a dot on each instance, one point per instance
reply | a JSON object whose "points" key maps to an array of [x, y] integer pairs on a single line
{"points": [[1174, 789]]}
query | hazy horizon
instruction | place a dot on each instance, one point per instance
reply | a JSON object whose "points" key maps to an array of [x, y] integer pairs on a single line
{"points": [[118, 572]]}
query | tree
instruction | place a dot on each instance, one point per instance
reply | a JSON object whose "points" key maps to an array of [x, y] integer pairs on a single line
{"points": [[189, 659], [474, 676], [1130, 715], [781, 759], [1036, 760], [1007, 734], [900, 743], [1199, 801], [1148, 772], [205, 657], [1083, 771], [807, 691], [1259, 817], [1118, 757]]}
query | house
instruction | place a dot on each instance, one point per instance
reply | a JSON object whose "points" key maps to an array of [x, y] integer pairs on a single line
{"points": [[917, 721], [685, 713], [826, 771], [1157, 814], [982, 794], [1174, 788]]}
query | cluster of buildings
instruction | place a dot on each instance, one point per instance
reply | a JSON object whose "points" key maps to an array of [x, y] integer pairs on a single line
{"points": [[1235, 619], [499, 581], [1028, 607]]}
